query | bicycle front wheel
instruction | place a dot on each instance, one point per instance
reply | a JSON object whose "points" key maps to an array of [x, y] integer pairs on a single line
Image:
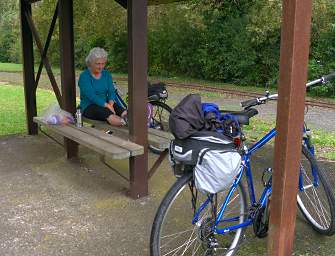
{"points": [[315, 198], [159, 119], [174, 234]]}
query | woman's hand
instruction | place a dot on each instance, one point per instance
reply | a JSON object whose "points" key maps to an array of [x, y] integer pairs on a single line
{"points": [[110, 107]]}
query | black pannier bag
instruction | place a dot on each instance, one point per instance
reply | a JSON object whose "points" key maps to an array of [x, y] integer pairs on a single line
{"points": [[212, 156], [187, 117], [157, 89]]}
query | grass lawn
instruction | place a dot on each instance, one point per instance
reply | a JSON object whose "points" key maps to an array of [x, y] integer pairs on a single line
{"points": [[10, 67], [323, 141], [14, 67], [12, 109]]}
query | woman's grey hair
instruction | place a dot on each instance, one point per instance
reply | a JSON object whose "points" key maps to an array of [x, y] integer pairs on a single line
{"points": [[95, 53]]}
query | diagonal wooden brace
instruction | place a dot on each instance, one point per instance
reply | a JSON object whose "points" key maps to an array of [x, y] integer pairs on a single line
{"points": [[46, 46], [45, 60]]}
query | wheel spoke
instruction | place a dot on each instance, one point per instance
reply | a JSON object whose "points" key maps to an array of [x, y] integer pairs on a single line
{"points": [[316, 202], [177, 249], [174, 233], [177, 236], [318, 206]]}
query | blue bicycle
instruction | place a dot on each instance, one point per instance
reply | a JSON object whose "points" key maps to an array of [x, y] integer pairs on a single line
{"points": [[189, 222], [156, 106]]}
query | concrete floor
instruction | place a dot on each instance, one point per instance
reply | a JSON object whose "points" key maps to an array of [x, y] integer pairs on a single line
{"points": [[51, 206]]}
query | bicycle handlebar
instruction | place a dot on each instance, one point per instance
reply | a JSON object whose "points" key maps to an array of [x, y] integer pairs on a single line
{"points": [[323, 80], [328, 78], [262, 100], [249, 103]]}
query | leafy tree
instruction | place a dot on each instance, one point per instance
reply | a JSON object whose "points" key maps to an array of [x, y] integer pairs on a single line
{"points": [[236, 41], [9, 31]]}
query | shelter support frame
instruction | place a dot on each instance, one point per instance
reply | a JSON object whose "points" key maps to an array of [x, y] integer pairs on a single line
{"points": [[293, 73], [137, 81], [295, 36], [137, 88]]}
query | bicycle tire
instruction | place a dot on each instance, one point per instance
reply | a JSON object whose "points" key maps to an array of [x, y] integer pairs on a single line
{"points": [[174, 216], [316, 202], [160, 119]]}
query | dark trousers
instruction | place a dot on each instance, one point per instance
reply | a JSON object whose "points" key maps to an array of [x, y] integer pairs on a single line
{"points": [[101, 113]]}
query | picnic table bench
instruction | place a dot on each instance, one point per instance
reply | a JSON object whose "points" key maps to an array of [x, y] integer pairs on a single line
{"points": [[114, 146], [156, 138], [160, 140]]}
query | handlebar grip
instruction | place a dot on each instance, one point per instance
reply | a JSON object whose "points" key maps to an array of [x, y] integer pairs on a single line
{"points": [[329, 77], [249, 103]]}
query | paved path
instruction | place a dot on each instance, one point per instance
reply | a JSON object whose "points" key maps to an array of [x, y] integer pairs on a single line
{"points": [[50, 206]]}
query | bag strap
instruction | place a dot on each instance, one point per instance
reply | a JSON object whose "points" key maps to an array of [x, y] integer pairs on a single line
{"points": [[201, 157]]}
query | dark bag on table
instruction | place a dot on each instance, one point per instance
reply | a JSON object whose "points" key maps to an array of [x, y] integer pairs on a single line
{"points": [[157, 89]]}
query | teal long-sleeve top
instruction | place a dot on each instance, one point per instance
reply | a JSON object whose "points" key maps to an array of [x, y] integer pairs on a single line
{"points": [[95, 91]]}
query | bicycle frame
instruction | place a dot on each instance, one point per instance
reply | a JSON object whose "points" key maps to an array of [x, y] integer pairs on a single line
{"points": [[246, 168], [120, 101]]}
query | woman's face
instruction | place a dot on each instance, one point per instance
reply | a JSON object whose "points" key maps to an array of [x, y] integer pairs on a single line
{"points": [[98, 65]]}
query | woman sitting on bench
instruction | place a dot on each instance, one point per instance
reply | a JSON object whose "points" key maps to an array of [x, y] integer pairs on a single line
{"points": [[97, 92]]}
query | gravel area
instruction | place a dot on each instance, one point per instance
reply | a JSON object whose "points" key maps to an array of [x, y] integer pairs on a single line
{"points": [[51, 206]]}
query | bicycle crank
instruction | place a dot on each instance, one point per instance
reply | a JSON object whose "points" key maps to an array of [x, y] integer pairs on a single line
{"points": [[261, 222]]}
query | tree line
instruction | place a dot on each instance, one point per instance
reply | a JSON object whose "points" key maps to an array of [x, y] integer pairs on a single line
{"points": [[232, 41]]}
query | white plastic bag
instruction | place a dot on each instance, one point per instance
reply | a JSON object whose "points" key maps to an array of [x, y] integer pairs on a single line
{"points": [[216, 170], [53, 114]]}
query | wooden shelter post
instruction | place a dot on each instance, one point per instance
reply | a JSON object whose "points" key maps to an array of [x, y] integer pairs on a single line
{"points": [[137, 87], [28, 68], [68, 80], [295, 37]]}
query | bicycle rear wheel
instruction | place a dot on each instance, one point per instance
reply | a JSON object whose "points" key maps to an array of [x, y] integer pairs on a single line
{"points": [[316, 200], [173, 233], [159, 120]]}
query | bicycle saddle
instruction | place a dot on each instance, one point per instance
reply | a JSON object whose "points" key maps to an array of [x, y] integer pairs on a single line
{"points": [[242, 116]]}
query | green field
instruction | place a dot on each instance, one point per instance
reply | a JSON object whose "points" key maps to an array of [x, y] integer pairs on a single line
{"points": [[14, 67], [10, 67], [12, 109]]}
